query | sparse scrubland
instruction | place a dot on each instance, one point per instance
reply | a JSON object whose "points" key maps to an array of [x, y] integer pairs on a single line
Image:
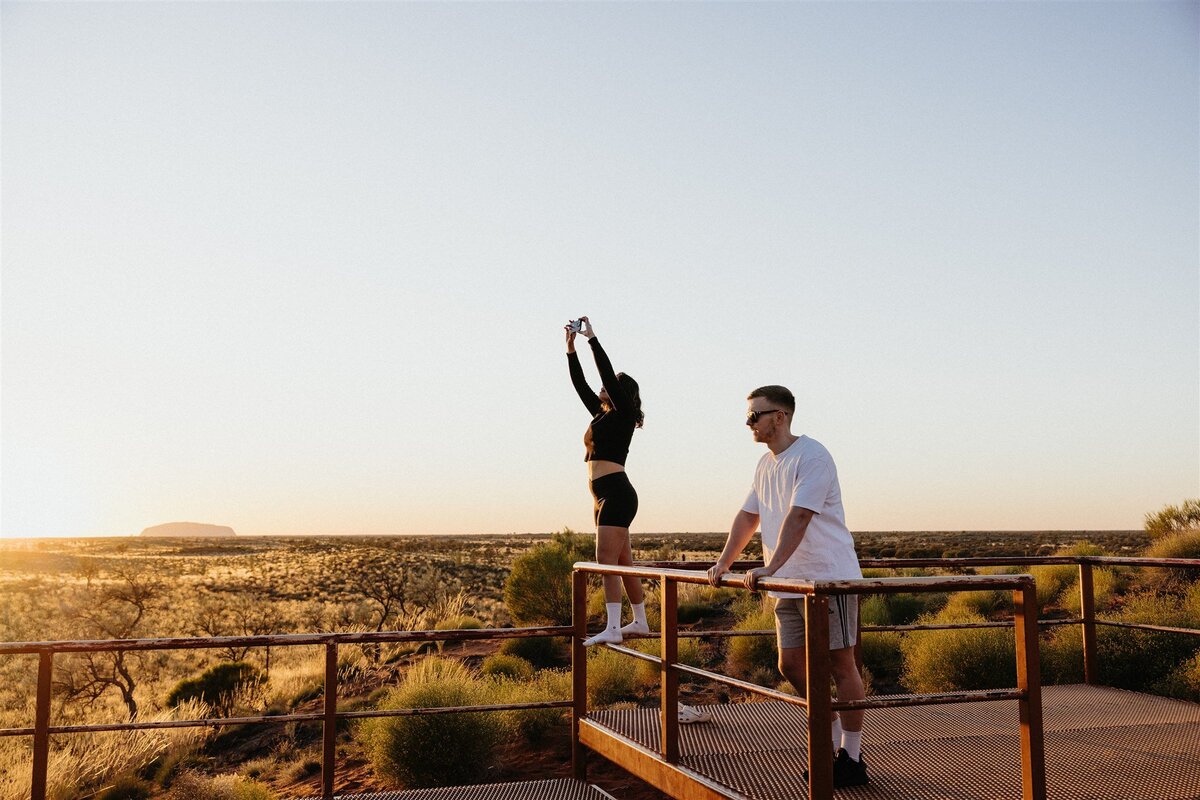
{"points": [[135, 588]]}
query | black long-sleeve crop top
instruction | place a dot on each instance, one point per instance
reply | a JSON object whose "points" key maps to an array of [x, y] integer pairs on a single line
{"points": [[608, 436]]}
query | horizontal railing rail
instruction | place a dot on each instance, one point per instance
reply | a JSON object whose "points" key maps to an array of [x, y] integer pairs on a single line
{"points": [[328, 717]]}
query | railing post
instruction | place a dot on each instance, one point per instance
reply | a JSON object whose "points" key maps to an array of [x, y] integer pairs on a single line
{"points": [[1029, 682], [578, 670], [670, 678], [329, 728], [41, 725], [820, 713], [1087, 606]]}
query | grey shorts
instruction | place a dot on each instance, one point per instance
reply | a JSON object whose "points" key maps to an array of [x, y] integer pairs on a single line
{"points": [[843, 621]]}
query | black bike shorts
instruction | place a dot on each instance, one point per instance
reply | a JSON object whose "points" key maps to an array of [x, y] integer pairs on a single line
{"points": [[616, 501]]}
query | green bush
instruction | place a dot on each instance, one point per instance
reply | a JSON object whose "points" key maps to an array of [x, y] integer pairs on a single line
{"points": [[611, 677], [882, 654], [898, 609], [696, 602], [538, 589], [462, 622], [192, 786], [544, 652], [1140, 660], [219, 687], [1051, 580], [434, 749], [1105, 584], [1062, 656], [534, 724], [1183, 682], [950, 660], [753, 657], [1181, 544], [501, 665], [692, 652], [127, 789], [982, 604], [1173, 519]]}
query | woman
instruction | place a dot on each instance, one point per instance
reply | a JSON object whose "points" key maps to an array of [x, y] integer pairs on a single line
{"points": [[616, 411]]}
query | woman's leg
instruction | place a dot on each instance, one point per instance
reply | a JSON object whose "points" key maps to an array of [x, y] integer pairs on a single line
{"points": [[633, 586], [611, 541]]}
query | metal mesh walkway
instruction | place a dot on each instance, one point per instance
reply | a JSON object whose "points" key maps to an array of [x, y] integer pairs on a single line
{"points": [[524, 790], [1101, 744]]}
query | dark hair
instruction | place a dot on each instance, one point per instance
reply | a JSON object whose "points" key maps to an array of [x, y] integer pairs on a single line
{"points": [[779, 395], [630, 387]]}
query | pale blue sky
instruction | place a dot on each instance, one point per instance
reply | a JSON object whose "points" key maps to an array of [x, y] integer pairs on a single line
{"points": [[302, 268]]}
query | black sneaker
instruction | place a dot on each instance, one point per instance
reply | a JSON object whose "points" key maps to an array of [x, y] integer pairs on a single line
{"points": [[847, 771]]}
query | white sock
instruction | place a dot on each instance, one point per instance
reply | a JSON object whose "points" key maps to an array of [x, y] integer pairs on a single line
{"points": [[639, 613], [837, 734], [614, 615], [852, 744]]}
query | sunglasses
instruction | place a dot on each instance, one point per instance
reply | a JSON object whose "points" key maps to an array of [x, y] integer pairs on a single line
{"points": [[753, 416]]}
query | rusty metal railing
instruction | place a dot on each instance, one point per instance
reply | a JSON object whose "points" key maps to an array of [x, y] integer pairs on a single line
{"points": [[329, 716], [815, 594], [818, 703]]}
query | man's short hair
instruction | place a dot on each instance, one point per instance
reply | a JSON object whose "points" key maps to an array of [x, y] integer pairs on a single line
{"points": [[779, 395]]}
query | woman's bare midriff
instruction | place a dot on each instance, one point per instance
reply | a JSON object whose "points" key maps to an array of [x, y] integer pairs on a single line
{"points": [[598, 469]]}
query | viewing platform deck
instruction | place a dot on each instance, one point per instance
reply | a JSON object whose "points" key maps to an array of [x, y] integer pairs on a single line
{"points": [[1101, 744], [564, 789]]}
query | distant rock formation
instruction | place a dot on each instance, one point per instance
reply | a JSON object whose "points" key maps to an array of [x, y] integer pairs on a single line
{"points": [[190, 529]]}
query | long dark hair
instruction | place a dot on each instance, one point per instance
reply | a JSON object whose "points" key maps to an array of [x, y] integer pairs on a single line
{"points": [[630, 387]]}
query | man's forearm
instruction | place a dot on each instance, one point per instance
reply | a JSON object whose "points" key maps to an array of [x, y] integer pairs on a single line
{"points": [[795, 525], [744, 525]]}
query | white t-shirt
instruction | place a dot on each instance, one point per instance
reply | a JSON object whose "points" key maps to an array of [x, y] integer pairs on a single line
{"points": [[804, 475]]}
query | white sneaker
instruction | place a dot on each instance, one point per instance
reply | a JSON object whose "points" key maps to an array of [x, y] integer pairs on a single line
{"points": [[606, 636], [689, 715]]}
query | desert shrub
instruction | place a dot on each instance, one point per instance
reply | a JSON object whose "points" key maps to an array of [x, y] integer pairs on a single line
{"points": [[538, 589], [1105, 584], [127, 788], [542, 651], [692, 652], [501, 665], [1180, 544], [258, 767], [192, 786], [611, 677], [533, 724], [898, 609], [882, 654], [1062, 656], [1139, 660], [696, 602], [949, 660], [1051, 579], [1183, 681], [461, 622], [219, 687], [983, 604], [434, 749], [754, 657], [1173, 519]]}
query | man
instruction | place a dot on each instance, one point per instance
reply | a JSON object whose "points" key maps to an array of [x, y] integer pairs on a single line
{"points": [[804, 535]]}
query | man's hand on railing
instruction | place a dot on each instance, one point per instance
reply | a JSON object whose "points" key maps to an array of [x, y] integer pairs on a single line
{"points": [[716, 571], [752, 576]]}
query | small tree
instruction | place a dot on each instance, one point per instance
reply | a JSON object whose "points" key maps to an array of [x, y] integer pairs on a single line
{"points": [[1172, 519], [115, 607], [538, 590], [219, 687]]}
